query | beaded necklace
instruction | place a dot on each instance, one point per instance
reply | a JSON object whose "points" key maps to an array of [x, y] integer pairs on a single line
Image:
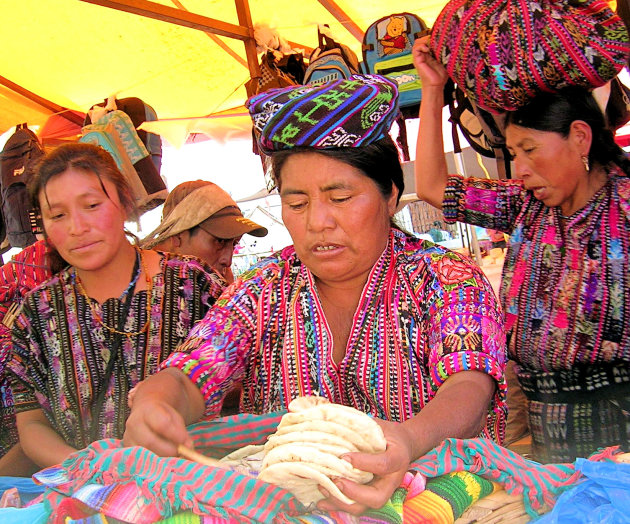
{"points": [[129, 289]]}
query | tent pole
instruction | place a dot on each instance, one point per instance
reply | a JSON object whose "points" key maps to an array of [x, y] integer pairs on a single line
{"points": [[245, 19]]}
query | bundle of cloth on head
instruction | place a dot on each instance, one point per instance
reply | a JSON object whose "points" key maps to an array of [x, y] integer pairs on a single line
{"points": [[344, 113], [204, 204]]}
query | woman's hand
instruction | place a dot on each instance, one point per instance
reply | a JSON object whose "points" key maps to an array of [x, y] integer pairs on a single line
{"points": [[432, 73], [161, 408], [157, 426], [388, 468]]}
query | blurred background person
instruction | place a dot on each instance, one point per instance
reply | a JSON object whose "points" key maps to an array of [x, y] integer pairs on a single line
{"points": [[201, 219]]}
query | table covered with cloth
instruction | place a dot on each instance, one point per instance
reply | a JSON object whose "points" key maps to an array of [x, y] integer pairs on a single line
{"points": [[106, 482]]}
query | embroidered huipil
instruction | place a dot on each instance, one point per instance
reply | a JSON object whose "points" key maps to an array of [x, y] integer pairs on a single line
{"points": [[22, 273], [425, 313], [61, 350], [564, 290]]}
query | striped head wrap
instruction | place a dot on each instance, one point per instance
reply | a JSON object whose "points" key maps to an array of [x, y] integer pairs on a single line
{"points": [[344, 113]]}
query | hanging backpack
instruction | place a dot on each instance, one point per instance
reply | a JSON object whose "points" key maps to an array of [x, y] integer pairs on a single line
{"points": [[114, 132], [147, 166], [484, 131], [17, 162], [330, 60], [287, 71], [387, 47], [139, 112]]}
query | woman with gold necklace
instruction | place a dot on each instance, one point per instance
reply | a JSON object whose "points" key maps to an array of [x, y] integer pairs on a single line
{"points": [[105, 322]]}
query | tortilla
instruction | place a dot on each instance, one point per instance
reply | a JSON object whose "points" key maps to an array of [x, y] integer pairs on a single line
{"points": [[319, 437], [306, 402], [334, 466], [355, 420], [328, 426], [303, 481]]}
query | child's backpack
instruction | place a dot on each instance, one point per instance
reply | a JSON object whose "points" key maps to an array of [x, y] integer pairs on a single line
{"points": [[483, 130], [115, 132], [387, 47], [17, 161], [330, 60]]}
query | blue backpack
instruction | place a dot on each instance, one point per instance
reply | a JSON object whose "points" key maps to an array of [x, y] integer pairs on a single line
{"points": [[387, 47], [330, 61]]}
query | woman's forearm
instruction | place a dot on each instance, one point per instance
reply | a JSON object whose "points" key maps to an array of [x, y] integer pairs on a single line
{"points": [[458, 410], [431, 173], [39, 441]]}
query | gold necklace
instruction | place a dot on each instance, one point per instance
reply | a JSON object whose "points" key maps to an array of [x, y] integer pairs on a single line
{"points": [[98, 317]]}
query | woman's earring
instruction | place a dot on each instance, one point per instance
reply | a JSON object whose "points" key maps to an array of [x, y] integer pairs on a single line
{"points": [[586, 164]]}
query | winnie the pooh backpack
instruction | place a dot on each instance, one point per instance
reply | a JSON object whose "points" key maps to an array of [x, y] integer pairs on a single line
{"points": [[387, 47]]}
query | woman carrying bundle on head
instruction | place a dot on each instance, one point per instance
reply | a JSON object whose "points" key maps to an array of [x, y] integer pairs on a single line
{"points": [[356, 310], [89, 334], [566, 284]]}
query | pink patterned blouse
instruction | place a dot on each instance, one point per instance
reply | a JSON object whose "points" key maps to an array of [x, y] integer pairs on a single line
{"points": [[565, 291], [425, 313]]}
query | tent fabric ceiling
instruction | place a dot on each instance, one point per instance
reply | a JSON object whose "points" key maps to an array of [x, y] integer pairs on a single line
{"points": [[74, 53]]}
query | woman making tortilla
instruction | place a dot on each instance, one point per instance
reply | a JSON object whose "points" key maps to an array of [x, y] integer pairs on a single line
{"points": [[355, 310], [565, 277]]}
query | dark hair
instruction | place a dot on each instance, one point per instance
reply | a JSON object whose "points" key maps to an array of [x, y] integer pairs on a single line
{"points": [[83, 157], [555, 112], [378, 161]]}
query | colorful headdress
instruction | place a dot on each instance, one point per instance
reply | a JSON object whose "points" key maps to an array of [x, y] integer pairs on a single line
{"points": [[343, 113], [503, 53]]}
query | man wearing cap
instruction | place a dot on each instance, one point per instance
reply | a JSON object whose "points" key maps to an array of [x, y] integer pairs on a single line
{"points": [[201, 219]]}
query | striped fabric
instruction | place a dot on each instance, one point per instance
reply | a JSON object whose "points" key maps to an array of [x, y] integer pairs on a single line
{"points": [[502, 52], [134, 485], [425, 314], [539, 484]]}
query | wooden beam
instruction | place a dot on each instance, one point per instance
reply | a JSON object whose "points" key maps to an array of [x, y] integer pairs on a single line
{"points": [[343, 18], [245, 19], [176, 16], [216, 39], [47, 104]]}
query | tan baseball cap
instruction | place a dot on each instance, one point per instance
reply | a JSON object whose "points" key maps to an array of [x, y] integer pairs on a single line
{"points": [[205, 204]]}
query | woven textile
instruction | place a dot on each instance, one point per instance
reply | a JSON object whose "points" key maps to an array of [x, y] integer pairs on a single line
{"points": [[22, 273], [134, 485], [343, 113], [539, 484], [425, 314], [502, 52], [55, 315], [565, 297]]}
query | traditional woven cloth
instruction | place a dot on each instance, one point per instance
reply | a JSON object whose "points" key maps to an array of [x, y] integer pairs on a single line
{"points": [[446, 498], [565, 298], [60, 348], [425, 313], [539, 484], [502, 52], [134, 485], [22, 273], [343, 113]]}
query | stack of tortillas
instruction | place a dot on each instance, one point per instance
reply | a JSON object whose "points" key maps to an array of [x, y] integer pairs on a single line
{"points": [[305, 451]]}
